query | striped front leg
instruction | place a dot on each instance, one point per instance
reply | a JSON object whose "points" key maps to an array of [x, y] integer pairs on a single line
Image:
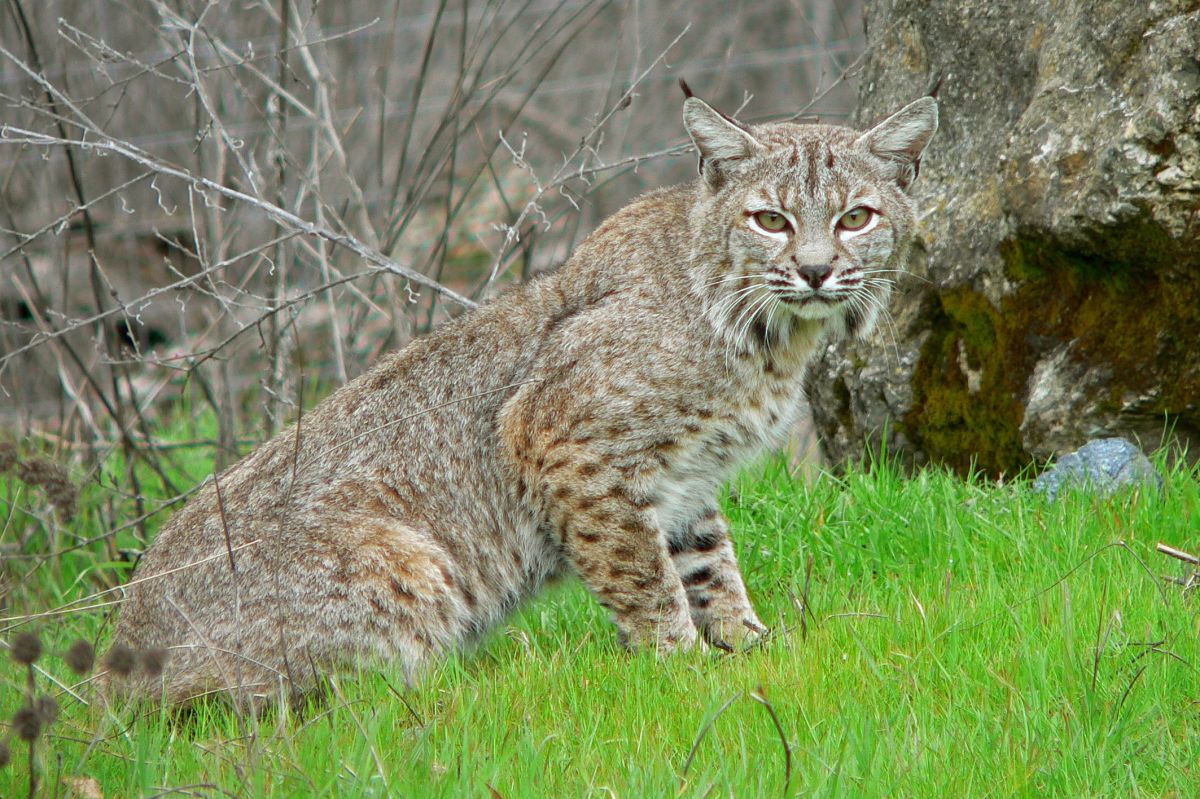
{"points": [[703, 557]]}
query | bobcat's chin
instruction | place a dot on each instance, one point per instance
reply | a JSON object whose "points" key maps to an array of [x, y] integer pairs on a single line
{"points": [[816, 307], [849, 315], [820, 305]]}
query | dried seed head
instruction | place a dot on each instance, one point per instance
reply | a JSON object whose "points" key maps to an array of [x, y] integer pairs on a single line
{"points": [[120, 660], [36, 471], [47, 709], [153, 661], [54, 480], [64, 497], [26, 648], [26, 723], [8, 455], [5, 754], [80, 657]]}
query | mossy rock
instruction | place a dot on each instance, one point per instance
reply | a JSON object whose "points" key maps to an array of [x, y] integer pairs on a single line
{"points": [[1060, 257]]}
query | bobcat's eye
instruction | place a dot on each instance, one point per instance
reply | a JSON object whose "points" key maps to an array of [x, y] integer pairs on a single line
{"points": [[855, 218], [771, 221]]}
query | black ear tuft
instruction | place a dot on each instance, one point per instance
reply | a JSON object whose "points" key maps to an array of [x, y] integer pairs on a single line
{"points": [[933, 92], [687, 95], [937, 85]]}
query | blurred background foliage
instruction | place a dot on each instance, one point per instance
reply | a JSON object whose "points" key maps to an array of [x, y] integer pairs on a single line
{"points": [[471, 142], [212, 213]]}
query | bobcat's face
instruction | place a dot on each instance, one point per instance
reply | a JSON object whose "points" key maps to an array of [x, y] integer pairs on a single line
{"points": [[816, 237], [818, 218]]}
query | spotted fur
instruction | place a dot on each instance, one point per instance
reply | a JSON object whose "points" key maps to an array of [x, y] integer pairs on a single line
{"points": [[581, 423]]}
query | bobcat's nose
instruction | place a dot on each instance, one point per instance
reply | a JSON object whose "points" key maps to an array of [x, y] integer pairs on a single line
{"points": [[815, 274]]}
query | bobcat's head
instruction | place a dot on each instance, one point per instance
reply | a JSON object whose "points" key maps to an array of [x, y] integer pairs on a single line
{"points": [[803, 222]]}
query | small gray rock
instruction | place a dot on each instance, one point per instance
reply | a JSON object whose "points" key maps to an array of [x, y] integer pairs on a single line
{"points": [[1102, 465]]}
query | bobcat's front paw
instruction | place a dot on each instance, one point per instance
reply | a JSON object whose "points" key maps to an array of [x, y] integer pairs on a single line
{"points": [[662, 637], [735, 633]]}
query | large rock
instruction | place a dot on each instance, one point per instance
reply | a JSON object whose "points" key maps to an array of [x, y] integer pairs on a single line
{"points": [[1056, 295]]}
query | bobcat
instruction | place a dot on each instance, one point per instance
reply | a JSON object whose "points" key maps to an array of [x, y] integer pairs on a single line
{"points": [[581, 422]]}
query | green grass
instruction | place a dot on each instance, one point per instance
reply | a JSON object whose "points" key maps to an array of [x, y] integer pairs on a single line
{"points": [[964, 639]]}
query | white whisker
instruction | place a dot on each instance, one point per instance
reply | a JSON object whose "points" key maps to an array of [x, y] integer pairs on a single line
{"points": [[741, 324], [897, 272], [751, 316], [720, 309], [770, 326], [727, 279], [864, 302]]}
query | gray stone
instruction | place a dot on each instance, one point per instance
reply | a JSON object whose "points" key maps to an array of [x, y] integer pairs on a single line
{"points": [[1102, 466], [1056, 288]]}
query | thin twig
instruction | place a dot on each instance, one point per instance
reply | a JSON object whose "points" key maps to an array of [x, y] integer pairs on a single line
{"points": [[1128, 688], [1178, 554], [280, 215], [759, 696], [69, 607], [687, 763]]}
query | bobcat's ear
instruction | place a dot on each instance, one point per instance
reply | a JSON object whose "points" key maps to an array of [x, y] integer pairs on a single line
{"points": [[902, 137], [718, 138]]}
